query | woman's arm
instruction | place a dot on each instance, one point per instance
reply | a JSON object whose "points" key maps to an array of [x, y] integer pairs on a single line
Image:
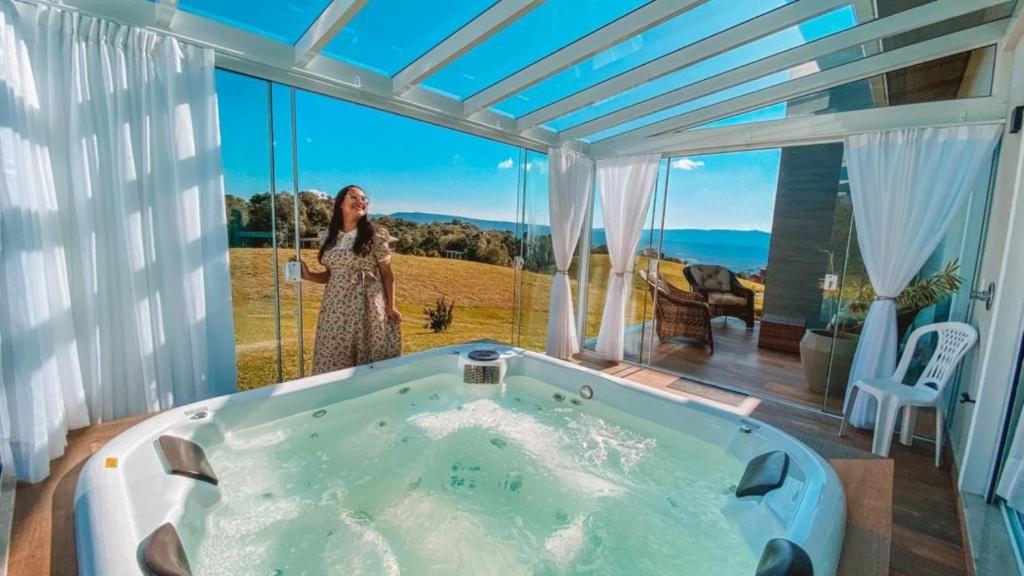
{"points": [[387, 277], [316, 277]]}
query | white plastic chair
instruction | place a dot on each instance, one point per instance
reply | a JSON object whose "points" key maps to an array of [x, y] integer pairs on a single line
{"points": [[954, 340]]}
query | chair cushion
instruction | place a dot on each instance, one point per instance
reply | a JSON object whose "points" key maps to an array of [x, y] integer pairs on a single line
{"points": [[711, 278], [725, 299]]}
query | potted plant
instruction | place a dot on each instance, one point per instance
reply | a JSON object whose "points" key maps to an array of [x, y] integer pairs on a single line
{"points": [[833, 346], [831, 349]]}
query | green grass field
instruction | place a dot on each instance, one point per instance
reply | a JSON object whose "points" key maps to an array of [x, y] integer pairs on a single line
{"points": [[484, 297]]}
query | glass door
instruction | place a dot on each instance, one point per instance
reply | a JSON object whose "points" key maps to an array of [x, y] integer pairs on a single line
{"points": [[1014, 517], [258, 217]]}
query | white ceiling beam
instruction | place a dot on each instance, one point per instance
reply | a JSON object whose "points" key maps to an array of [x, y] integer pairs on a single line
{"points": [[636, 22], [1016, 31], [774, 21], [165, 11], [850, 38], [810, 129], [955, 43], [492, 21], [334, 17]]}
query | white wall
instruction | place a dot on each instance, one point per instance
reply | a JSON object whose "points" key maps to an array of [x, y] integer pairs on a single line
{"points": [[988, 371]]}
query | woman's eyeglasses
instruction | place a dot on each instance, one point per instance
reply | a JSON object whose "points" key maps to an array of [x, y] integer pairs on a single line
{"points": [[363, 199]]}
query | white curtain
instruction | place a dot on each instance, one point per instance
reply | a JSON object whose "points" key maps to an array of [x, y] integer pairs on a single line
{"points": [[906, 187], [114, 264], [626, 185], [570, 183]]}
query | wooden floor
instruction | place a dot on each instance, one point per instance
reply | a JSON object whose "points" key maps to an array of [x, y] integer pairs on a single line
{"points": [[925, 531], [738, 364], [43, 532]]}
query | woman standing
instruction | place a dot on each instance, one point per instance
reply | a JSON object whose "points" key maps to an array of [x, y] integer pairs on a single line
{"points": [[358, 321]]}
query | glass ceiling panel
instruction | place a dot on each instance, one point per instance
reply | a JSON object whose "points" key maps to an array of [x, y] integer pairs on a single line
{"points": [[388, 35], [913, 86], [809, 31], [283, 21], [687, 28], [812, 29], [720, 96], [545, 29]]}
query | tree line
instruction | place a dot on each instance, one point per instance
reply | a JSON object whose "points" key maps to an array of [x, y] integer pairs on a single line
{"points": [[251, 223]]}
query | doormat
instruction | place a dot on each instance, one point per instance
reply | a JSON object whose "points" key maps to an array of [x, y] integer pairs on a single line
{"points": [[707, 391]]}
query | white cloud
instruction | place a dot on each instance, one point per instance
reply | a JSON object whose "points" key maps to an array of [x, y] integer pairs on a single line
{"points": [[686, 164], [505, 164], [541, 167]]}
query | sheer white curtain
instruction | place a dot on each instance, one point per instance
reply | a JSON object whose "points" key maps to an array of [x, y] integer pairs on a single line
{"points": [[570, 183], [115, 275], [906, 187], [626, 185]]}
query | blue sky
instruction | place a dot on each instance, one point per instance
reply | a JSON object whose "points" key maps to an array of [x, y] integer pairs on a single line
{"points": [[406, 165]]}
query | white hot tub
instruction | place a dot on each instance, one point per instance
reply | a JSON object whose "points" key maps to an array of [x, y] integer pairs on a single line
{"points": [[436, 463]]}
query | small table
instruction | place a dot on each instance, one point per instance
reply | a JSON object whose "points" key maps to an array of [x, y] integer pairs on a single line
{"points": [[780, 332]]}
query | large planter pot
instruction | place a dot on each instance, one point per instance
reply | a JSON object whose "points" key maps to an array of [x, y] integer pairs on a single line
{"points": [[816, 355]]}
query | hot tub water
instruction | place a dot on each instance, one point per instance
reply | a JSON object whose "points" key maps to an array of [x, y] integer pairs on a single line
{"points": [[434, 476]]}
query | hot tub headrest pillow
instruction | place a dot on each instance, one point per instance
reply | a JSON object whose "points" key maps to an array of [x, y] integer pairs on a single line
{"points": [[163, 554], [186, 458]]}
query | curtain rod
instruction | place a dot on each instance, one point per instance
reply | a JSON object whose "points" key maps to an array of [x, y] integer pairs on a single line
{"points": [[149, 27]]}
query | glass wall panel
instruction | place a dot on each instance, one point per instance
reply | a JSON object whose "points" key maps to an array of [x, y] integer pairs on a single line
{"points": [[538, 257], [453, 203], [965, 242], [245, 152], [448, 198], [762, 286], [286, 215], [718, 231], [951, 269]]}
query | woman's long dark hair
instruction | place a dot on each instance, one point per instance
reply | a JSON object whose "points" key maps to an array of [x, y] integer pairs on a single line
{"points": [[364, 229]]}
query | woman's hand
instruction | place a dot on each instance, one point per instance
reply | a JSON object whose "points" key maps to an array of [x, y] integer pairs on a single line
{"points": [[302, 266], [305, 274], [393, 314]]}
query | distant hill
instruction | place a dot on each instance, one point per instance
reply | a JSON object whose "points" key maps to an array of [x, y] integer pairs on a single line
{"points": [[738, 250], [427, 218]]}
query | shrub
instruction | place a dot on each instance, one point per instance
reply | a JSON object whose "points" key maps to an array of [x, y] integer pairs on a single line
{"points": [[439, 316]]}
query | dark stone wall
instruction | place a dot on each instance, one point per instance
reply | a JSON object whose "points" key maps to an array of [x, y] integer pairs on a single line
{"points": [[805, 206]]}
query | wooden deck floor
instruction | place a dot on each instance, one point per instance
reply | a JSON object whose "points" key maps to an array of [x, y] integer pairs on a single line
{"points": [[738, 364], [926, 538]]}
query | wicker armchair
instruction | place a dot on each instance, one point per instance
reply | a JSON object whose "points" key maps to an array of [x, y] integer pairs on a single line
{"points": [[680, 314], [722, 291]]}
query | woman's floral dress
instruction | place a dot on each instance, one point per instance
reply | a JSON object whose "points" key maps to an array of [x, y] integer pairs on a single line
{"points": [[352, 328]]}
